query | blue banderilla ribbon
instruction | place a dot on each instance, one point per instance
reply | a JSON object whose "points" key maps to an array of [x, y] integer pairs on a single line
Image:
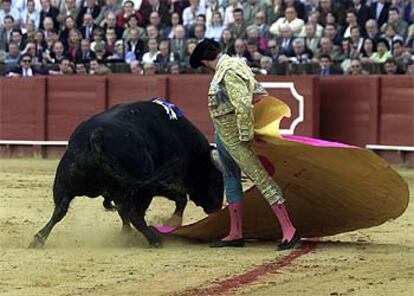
{"points": [[172, 111]]}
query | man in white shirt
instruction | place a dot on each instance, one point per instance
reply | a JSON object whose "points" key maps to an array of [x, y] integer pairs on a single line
{"points": [[290, 19], [8, 10], [30, 14], [191, 12]]}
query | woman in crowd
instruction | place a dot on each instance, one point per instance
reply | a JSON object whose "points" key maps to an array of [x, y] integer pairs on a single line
{"points": [[215, 30]]}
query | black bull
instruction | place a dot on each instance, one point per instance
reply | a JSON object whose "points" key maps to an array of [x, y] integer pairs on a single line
{"points": [[128, 155]]}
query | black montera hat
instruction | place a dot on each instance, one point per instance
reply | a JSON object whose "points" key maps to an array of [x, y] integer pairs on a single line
{"points": [[207, 49]]}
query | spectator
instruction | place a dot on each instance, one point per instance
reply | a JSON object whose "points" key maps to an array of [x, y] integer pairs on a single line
{"points": [[327, 48], [371, 29], [100, 52], [65, 68], [326, 68], [69, 8], [240, 50], [16, 37], [120, 55], [128, 9], [155, 6], [90, 7], [273, 50], [398, 53], [263, 27], [266, 65], [227, 42], [356, 40], [87, 27], [7, 10], [250, 8], [391, 35], [285, 40], [84, 53], [12, 57], [215, 30], [394, 19], [31, 13], [58, 53], [311, 41], [331, 33], [175, 69], [297, 5], [356, 68], [135, 68], [48, 11], [191, 12], [313, 20], [110, 37], [274, 11], [48, 25], [164, 58], [149, 69], [178, 43], [290, 20], [135, 44], [200, 21], [97, 68], [238, 27], [111, 7], [328, 7], [368, 50], [155, 20], [212, 7], [6, 32], [200, 32], [168, 32], [254, 55], [390, 67], [351, 22], [74, 40], [110, 23], [253, 33], [410, 68], [80, 68], [228, 14], [300, 55], [379, 11], [151, 55], [362, 12], [152, 32], [25, 69], [382, 54], [69, 25], [40, 45], [97, 36], [133, 24]]}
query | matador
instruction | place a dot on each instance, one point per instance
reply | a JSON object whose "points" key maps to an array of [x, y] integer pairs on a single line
{"points": [[232, 92]]}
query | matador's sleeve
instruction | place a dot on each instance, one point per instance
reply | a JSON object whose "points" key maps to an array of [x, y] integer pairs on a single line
{"points": [[241, 98]]}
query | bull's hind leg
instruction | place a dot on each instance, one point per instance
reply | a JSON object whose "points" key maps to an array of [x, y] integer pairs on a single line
{"points": [[58, 213], [137, 218]]}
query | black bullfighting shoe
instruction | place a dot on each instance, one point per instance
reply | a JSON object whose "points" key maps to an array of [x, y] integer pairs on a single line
{"points": [[238, 243], [286, 245]]}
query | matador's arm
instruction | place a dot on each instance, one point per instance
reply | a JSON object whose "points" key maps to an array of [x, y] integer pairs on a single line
{"points": [[241, 97]]}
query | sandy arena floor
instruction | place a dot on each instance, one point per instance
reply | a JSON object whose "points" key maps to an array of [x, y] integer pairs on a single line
{"points": [[87, 255]]}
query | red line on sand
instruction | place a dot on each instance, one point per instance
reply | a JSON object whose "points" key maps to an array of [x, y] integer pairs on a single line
{"points": [[238, 281]]}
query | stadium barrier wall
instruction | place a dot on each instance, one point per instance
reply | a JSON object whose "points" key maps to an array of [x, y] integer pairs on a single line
{"points": [[356, 110]]}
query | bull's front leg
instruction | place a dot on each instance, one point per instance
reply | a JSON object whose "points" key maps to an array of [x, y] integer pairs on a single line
{"points": [[124, 213], [176, 219], [137, 218]]}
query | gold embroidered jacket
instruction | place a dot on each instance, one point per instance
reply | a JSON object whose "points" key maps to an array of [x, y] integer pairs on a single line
{"points": [[231, 91]]}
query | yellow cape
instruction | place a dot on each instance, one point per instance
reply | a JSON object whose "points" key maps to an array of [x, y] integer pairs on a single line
{"points": [[328, 190]]}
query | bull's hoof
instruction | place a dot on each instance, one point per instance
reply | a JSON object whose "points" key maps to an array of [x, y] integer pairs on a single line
{"points": [[37, 243], [156, 244]]}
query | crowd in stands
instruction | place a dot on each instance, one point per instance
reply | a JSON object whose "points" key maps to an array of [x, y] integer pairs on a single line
{"points": [[147, 37]]}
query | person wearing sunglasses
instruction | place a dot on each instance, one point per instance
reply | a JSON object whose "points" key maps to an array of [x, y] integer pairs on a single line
{"points": [[25, 68], [232, 92]]}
